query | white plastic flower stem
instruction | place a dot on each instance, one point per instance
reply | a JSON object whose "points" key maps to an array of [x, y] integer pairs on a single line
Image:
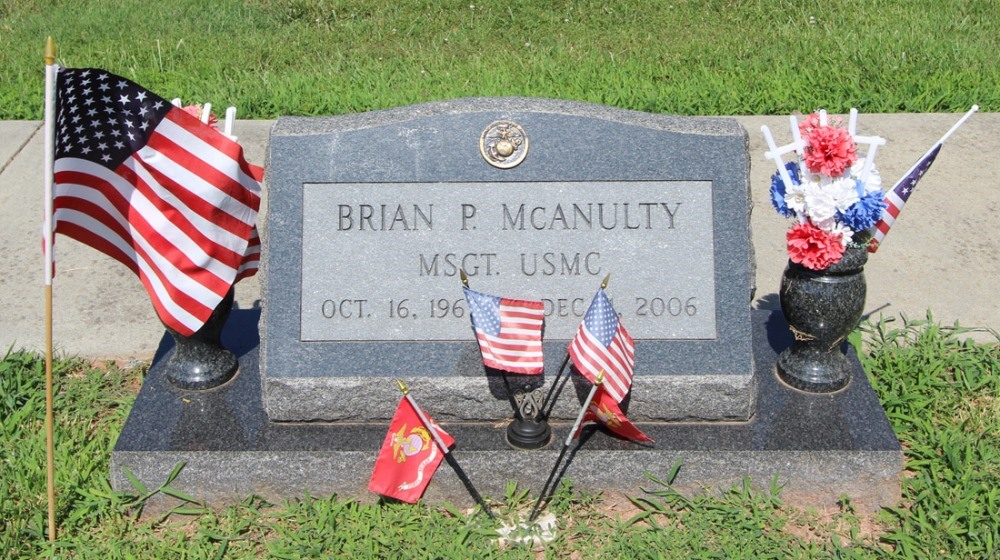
{"points": [[230, 121], [873, 143], [800, 146], [793, 125], [774, 153]]}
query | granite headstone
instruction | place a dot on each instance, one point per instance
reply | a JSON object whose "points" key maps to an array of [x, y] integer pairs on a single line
{"points": [[371, 216]]}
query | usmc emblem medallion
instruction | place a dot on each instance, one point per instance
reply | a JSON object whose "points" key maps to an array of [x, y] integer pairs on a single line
{"points": [[504, 144]]}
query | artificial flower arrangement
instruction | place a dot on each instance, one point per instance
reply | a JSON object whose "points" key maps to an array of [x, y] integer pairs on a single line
{"points": [[831, 189]]}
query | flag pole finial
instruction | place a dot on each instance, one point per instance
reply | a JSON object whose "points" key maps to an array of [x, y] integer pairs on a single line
{"points": [[600, 378], [50, 51], [402, 387], [464, 277], [607, 279]]}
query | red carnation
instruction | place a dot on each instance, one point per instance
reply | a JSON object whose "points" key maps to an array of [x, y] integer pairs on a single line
{"points": [[830, 150], [812, 247], [196, 111]]}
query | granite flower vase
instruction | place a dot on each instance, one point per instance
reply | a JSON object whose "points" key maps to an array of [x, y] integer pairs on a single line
{"points": [[821, 307], [199, 361]]}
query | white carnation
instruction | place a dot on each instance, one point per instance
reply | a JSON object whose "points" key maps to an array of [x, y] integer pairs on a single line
{"points": [[874, 182], [844, 193], [795, 198], [820, 204]]}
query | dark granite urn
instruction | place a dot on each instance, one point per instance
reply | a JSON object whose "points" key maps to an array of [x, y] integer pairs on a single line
{"points": [[199, 361], [821, 307]]}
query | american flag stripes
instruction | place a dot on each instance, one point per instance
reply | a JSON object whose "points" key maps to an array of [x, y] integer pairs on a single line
{"points": [[251, 257], [509, 331], [900, 193], [602, 343], [155, 188]]}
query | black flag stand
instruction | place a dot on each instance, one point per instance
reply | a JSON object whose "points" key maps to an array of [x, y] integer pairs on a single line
{"points": [[530, 428]]}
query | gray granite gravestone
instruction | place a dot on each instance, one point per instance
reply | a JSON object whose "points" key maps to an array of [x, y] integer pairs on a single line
{"points": [[371, 216]]}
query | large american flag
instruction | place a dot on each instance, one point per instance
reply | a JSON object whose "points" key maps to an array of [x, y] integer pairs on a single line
{"points": [[900, 193], [509, 331], [602, 344], [155, 188]]}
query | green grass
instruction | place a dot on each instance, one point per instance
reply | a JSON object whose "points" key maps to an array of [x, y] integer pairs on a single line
{"points": [[942, 397], [939, 390], [708, 57]]}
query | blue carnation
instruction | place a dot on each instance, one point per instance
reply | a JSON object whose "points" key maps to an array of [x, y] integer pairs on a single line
{"points": [[778, 189], [864, 213]]}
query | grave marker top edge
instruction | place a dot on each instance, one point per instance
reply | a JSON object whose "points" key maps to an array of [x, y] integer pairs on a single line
{"points": [[303, 126]]}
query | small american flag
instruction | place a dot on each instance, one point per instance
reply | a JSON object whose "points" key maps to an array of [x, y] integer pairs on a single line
{"points": [[156, 189], [602, 343], [900, 193], [509, 331]]}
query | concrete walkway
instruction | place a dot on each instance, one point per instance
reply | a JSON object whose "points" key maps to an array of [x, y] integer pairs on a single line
{"points": [[941, 255]]}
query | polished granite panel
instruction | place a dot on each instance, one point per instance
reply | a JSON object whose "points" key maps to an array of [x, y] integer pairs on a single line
{"points": [[820, 446]]}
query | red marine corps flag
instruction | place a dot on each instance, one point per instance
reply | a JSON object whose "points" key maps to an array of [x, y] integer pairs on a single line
{"points": [[604, 409], [409, 455]]}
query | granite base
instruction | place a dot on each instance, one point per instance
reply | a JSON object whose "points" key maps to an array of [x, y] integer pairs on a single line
{"points": [[818, 448]]}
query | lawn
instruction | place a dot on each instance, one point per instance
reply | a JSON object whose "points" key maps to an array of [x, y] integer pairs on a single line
{"points": [[938, 388], [707, 57]]}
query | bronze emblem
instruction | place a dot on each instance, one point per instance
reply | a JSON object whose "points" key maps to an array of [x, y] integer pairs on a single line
{"points": [[504, 144]]}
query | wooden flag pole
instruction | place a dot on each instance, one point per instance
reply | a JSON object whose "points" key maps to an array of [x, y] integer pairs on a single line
{"points": [[566, 444], [444, 449], [50, 125]]}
